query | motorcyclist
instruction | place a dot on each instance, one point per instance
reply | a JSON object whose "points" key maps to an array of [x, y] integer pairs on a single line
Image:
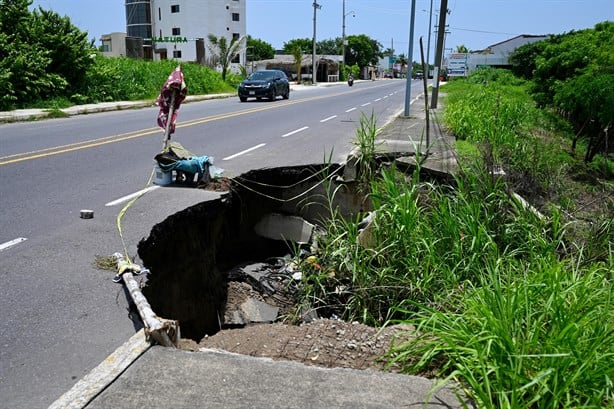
{"points": [[350, 80]]}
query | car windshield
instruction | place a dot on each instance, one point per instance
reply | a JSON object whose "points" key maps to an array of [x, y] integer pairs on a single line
{"points": [[262, 75]]}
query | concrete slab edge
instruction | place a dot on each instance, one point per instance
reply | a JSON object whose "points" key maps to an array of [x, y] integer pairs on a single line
{"points": [[84, 391]]}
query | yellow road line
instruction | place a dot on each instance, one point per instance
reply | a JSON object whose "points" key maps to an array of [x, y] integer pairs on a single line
{"points": [[92, 143]]}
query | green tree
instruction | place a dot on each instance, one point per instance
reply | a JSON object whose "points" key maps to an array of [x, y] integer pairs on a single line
{"points": [[70, 50], [362, 51], [259, 50], [305, 44], [523, 59], [461, 49], [42, 55], [222, 52], [329, 47]]}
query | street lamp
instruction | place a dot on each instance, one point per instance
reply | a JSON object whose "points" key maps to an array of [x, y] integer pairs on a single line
{"points": [[343, 30], [316, 6]]}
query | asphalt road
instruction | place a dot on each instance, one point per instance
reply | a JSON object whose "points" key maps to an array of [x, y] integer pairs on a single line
{"points": [[61, 315]]}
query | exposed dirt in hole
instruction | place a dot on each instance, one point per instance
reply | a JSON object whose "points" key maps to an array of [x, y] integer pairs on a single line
{"points": [[322, 342]]}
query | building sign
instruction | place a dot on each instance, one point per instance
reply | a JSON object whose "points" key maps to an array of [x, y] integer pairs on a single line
{"points": [[167, 39], [457, 65]]}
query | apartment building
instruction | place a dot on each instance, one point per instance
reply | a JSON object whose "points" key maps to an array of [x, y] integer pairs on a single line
{"points": [[178, 29]]}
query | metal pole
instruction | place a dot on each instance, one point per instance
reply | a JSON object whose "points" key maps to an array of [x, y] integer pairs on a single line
{"points": [[313, 54], [343, 36], [411, 52], [443, 10], [428, 45]]}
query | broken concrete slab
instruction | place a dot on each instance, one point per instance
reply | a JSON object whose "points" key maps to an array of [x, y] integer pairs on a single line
{"points": [[282, 227]]}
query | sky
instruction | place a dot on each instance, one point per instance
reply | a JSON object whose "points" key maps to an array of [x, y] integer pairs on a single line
{"points": [[476, 24]]}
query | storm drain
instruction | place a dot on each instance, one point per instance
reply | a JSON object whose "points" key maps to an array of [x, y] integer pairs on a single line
{"points": [[267, 214]]}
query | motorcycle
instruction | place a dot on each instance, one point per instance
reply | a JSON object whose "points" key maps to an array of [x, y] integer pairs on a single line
{"points": [[351, 81]]}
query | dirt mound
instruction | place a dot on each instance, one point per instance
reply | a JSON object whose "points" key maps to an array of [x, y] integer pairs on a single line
{"points": [[323, 342]]}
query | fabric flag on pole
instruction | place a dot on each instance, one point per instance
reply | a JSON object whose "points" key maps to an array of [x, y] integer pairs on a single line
{"points": [[173, 87]]}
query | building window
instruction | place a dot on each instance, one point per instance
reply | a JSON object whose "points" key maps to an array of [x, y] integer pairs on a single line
{"points": [[235, 16], [176, 31], [159, 14], [175, 8], [177, 54], [236, 36]]}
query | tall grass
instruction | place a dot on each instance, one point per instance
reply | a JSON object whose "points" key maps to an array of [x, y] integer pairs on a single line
{"points": [[505, 302], [128, 79], [528, 335]]}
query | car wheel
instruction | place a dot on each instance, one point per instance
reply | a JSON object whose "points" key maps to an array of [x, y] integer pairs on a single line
{"points": [[287, 93], [243, 99], [273, 95]]}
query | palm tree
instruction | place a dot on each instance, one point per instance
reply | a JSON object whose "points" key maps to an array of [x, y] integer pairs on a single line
{"points": [[297, 53], [222, 52], [402, 59]]}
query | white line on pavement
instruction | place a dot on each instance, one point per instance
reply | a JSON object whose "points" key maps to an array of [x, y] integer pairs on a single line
{"points": [[11, 243], [253, 148], [295, 131], [329, 118], [351, 109], [379, 99], [130, 196], [364, 105], [385, 96]]}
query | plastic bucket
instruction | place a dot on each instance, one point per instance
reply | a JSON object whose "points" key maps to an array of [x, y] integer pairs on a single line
{"points": [[160, 177]]}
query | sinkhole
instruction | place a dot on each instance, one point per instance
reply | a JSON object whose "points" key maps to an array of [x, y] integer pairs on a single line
{"points": [[191, 253]]}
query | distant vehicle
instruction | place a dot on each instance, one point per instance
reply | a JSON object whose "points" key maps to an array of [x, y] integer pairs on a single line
{"points": [[265, 84], [387, 74], [351, 80], [418, 75]]}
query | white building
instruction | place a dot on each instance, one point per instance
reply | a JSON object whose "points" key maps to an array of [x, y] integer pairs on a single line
{"points": [[496, 55], [178, 29]]}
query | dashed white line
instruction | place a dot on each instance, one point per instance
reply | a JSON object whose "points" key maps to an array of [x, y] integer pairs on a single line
{"points": [[351, 109], [385, 96], [379, 99], [365, 104], [329, 118], [295, 131], [130, 196], [244, 152], [12, 243]]}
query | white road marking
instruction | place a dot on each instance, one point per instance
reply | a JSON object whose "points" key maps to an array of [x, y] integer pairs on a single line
{"points": [[12, 243], [253, 148], [351, 109], [329, 118], [379, 99], [364, 105], [130, 196], [385, 96], [295, 131]]}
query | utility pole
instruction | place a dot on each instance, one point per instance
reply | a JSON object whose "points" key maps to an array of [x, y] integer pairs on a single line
{"points": [[343, 40], [316, 6], [443, 11], [411, 53], [428, 45]]}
